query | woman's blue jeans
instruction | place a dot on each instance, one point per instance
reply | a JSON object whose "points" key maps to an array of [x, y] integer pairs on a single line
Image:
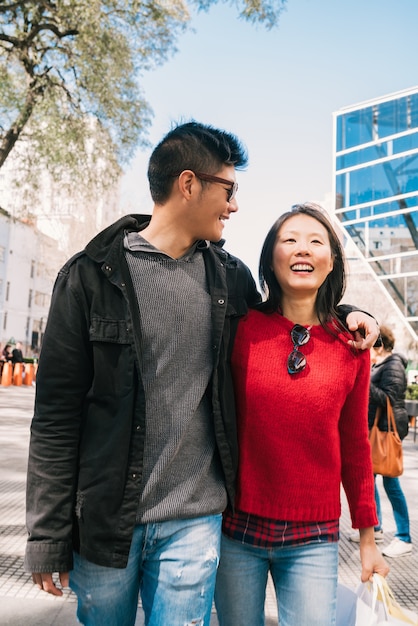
{"points": [[304, 577], [171, 564], [396, 497]]}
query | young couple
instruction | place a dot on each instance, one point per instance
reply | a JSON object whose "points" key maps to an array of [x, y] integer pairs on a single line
{"points": [[136, 446]]}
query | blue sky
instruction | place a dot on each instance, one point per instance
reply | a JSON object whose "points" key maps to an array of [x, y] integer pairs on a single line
{"points": [[277, 90]]}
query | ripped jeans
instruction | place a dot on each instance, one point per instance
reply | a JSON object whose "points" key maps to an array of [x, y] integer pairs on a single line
{"points": [[171, 564]]}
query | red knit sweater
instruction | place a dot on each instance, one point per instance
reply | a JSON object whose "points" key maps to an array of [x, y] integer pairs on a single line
{"points": [[301, 435]]}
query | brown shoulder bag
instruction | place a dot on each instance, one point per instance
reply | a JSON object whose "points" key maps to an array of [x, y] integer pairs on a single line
{"points": [[386, 447]]}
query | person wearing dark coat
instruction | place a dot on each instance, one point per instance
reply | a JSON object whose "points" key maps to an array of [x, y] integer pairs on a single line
{"points": [[388, 379], [17, 354], [6, 354]]}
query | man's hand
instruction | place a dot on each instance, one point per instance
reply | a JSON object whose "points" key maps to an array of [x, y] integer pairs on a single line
{"points": [[356, 321], [45, 582]]}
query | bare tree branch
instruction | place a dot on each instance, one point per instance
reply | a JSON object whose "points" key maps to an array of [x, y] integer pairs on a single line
{"points": [[66, 67]]}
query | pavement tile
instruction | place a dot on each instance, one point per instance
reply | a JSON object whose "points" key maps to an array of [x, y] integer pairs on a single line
{"points": [[22, 604]]}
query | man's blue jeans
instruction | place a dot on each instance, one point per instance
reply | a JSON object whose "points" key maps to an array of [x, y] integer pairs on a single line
{"points": [[304, 577], [171, 564], [396, 497]]}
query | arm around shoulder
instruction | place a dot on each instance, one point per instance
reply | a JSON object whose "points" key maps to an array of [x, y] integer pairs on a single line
{"points": [[362, 324]]}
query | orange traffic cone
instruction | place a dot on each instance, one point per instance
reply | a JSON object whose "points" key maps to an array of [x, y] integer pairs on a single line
{"points": [[17, 374], [28, 378], [6, 375]]}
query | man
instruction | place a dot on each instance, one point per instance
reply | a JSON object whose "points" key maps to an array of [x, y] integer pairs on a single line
{"points": [[17, 354], [133, 451]]}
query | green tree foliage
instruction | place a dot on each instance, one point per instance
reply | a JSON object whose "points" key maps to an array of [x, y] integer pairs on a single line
{"points": [[70, 96]]}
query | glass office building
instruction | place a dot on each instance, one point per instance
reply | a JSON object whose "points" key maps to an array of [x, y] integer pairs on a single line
{"points": [[376, 191]]}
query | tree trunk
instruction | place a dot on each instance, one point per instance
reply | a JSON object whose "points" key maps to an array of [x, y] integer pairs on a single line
{"points": [[12, 135]]}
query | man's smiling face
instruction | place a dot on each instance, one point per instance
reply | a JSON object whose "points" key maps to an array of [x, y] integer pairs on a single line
{"points": [[211, 207]]}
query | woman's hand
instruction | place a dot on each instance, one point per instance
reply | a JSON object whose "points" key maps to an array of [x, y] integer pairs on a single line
{"points": [[371, 558]]}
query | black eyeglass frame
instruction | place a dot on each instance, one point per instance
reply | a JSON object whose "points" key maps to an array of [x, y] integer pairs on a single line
{"points": [[232, 192], [296, 361]]}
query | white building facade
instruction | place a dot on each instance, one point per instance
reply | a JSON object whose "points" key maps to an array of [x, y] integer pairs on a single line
{"points": [[29, 261], [36, 238]]}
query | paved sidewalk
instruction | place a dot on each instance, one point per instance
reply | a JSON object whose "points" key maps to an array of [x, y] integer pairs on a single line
{"points": [[22, 604]]}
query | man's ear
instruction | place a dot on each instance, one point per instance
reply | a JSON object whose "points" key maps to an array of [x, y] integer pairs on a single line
{"points": [[185, 183]]}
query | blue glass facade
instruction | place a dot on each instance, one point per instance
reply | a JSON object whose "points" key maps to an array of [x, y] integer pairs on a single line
{"points": [[376, 190]]}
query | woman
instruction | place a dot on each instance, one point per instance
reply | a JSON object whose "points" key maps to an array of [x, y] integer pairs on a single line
{"points": [[299, 439], [6, 354], [388, 379]]}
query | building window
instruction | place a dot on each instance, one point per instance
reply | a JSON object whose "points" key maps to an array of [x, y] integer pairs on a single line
{"points": [[5, 320], [7, 290], [42, 299], [30, 299], [35, 339]]}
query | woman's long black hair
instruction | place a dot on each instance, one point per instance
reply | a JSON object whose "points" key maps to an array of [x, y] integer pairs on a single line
{"points": [[332, 289]]}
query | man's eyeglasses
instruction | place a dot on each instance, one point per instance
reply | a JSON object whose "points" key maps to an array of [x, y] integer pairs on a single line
{"points": [[296, 361], [233, 186]]}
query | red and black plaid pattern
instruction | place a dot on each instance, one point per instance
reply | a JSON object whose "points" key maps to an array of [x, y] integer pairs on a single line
{"points": [[262, 532]]}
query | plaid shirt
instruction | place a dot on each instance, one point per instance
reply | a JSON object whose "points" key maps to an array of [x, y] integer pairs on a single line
{"points": [[263, 532]]}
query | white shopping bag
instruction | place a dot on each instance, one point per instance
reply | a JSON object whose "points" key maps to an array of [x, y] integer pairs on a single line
{"points": [[346, 606], [376, 606]]}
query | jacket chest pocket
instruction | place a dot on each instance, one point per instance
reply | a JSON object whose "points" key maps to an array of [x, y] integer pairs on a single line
{"points": [[237, 307], [109, 331], [113, 357]]}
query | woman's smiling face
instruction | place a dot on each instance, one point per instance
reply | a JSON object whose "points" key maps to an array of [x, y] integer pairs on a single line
{"points": [[302, 257]]}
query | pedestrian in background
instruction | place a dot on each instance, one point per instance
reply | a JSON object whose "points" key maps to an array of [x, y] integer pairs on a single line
{"points": [[301, 394], [6, 357], [17, 354], [388, 380], [6, 354]]}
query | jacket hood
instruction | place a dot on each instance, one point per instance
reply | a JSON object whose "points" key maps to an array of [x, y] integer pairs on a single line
{"points": [[397, 356], [99, 247]]}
